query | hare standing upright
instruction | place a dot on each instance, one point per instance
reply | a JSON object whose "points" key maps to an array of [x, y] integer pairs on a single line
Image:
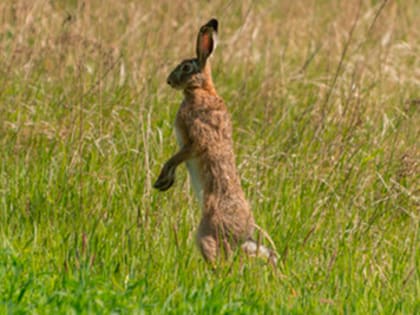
{"points": [[204, 133]]}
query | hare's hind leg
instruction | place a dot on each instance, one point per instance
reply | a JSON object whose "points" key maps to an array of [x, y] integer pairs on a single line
{"points": [[253, 249]]}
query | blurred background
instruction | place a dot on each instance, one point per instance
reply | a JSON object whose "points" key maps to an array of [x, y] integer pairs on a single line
{"points": [[324, 97]]}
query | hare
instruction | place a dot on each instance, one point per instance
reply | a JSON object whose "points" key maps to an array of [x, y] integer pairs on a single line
{"points": [[204, 133]]}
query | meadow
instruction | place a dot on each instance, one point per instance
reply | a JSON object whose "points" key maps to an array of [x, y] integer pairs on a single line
{"points": [[325, 103]]}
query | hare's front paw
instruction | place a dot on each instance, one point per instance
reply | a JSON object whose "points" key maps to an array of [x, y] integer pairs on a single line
{"points": [[166, 178]]}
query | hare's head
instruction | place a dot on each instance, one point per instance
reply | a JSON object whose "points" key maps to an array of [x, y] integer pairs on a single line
{"points": [[195, 73]]}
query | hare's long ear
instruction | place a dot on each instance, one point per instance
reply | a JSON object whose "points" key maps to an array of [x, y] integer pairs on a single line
{"points": [[206, 41]]}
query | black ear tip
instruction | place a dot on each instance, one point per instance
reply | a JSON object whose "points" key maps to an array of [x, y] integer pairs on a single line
{"points": [[213, 23]]}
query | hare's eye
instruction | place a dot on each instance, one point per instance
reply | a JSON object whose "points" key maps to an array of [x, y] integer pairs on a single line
{"points": [[187, 68]]}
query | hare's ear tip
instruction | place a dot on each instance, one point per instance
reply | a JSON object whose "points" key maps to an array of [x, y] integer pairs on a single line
{"points": [[213, 23]]}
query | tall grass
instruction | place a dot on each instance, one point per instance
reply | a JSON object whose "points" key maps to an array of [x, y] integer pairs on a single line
{"points": [[324, 97]]}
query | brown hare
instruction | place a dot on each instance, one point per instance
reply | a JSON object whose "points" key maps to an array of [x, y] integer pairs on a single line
{"points": [[204, 133]]}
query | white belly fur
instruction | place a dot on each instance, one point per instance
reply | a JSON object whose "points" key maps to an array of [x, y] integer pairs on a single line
{"points": [[193, 170]]}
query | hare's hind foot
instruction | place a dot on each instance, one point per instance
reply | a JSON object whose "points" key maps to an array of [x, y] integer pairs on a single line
{"points": [[208, 248], [211, 248], [253, 249]]}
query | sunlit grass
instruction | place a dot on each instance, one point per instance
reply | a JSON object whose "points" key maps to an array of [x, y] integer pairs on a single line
{"points": [[324, 97]]}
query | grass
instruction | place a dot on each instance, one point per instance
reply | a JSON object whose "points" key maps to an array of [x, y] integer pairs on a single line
{"points": [[324, 97]]}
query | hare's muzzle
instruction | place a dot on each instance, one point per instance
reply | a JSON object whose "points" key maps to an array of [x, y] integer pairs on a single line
{"points": [[170, 80]]}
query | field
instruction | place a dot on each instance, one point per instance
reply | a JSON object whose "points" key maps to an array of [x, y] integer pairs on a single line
{"points": [[325, 103]]}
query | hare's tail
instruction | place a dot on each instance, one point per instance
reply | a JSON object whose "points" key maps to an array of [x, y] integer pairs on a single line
{"points": [[255, 248]]}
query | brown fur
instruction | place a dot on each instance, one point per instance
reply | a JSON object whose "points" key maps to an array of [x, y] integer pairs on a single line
{"points": [[204, 132]]}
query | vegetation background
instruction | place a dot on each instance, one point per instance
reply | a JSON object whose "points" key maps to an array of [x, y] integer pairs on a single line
{"points": [[324, 96]]}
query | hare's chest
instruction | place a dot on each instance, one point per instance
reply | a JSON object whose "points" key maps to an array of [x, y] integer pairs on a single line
{"points": [[193, 170]]}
